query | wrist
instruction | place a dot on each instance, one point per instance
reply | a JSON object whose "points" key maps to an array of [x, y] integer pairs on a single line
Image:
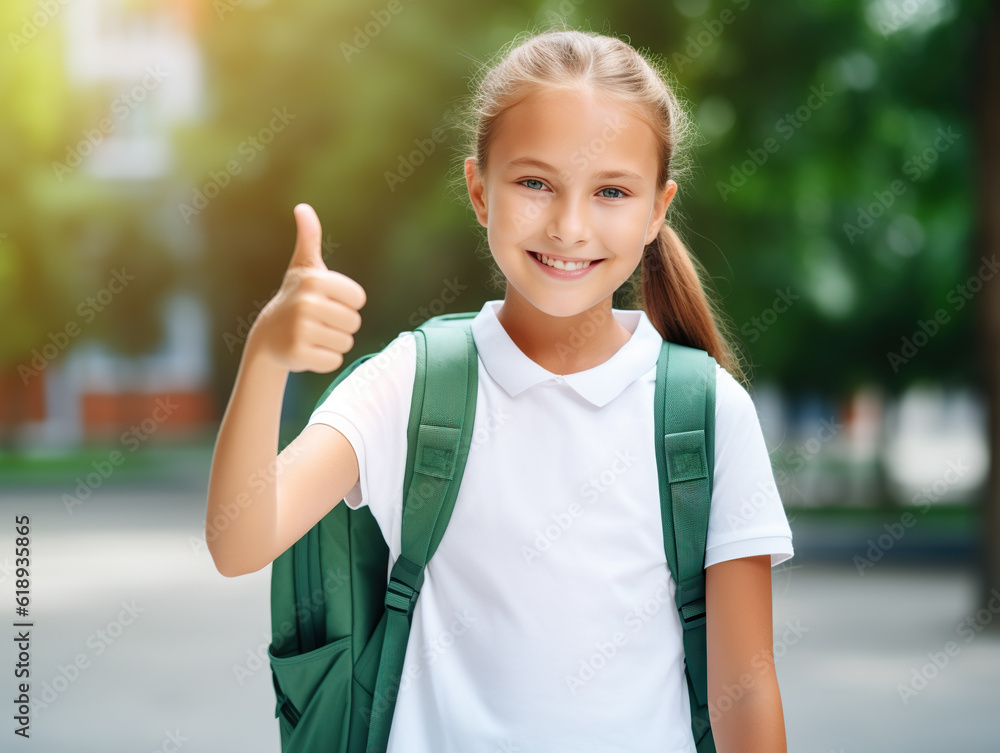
{"points": [[257, 357]]}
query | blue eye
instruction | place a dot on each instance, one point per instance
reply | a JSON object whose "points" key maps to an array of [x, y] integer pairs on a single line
{"points": [[532, 180], [613, 189]]}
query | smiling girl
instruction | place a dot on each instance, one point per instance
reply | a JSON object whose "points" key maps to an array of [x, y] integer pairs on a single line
{"points": [[569, 166]]}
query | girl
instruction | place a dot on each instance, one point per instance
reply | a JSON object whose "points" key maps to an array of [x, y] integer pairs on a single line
{"points": [[546, 621]]}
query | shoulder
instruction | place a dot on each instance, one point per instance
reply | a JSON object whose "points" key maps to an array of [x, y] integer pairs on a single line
{"points": [[739, 437], [386, 372], [733, 403], [391, 362], [403, 345]]}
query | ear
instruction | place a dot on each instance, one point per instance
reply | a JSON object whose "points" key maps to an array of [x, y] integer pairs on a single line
{"points": [[662, 201], [477, 191]]}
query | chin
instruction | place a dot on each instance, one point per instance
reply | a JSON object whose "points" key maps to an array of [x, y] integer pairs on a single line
{"points": [[563, 305]]}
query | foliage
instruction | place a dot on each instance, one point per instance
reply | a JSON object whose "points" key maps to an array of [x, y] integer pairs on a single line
{"points": [[367, 94]]}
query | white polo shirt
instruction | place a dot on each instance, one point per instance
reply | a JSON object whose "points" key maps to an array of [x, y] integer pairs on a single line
{"points": [[546, 621]]}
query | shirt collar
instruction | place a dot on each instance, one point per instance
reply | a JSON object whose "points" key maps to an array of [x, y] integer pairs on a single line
{"points": [[515, 372]]}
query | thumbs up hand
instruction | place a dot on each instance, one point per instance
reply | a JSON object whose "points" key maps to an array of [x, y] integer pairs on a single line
{"points": [[310, 322]]}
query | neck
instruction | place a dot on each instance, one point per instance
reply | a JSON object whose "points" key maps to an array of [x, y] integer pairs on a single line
{"points": [[563, 344]]}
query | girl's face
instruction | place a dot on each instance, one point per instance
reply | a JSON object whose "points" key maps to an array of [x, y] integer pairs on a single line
{"points": [[572, 177]]}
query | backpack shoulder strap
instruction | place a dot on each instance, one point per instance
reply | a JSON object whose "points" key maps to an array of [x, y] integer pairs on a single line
{"points": [[439, 437], [684, 405], [442, 414]]}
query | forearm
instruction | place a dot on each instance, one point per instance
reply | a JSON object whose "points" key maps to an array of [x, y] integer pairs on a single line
{"points": [[242, 495], [752, 722]]}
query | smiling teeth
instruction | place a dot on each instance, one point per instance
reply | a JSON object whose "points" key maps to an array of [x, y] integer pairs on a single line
{"points": [[560, 264]]}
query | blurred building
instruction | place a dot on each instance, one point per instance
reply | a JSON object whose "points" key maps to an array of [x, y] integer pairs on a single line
{"points": [[924, 448], [147, 55]]}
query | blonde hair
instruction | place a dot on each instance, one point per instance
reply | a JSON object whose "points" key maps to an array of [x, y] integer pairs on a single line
{"points": [[670, 287]]}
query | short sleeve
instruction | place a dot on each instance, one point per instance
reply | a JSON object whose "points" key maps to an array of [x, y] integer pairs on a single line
{"points": [[747, 517], [371, 408]]}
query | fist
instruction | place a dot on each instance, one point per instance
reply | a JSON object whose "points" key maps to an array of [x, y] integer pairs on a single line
{"points": [[310, 322]]}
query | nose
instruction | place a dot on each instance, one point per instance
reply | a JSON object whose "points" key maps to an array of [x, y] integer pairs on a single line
{"points": [[568, 223]]}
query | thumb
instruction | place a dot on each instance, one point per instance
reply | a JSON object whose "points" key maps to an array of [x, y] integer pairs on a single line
{"points": [[308, 240]]}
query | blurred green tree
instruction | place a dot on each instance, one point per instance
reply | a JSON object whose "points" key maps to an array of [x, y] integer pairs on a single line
{"points": [[823, 185]]}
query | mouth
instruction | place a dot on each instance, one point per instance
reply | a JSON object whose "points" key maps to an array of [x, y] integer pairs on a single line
{"points": [[564, 263]]}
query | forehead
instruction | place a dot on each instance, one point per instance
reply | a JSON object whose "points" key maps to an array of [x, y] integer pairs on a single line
{"points": [[575, 130]]}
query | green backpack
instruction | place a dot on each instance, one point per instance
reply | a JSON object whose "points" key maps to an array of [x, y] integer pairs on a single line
{"points": [[339, 632]]}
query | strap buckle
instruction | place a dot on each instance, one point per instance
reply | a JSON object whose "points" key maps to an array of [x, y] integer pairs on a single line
{"points": [[692, 614], [691, 606], [400, 597]]}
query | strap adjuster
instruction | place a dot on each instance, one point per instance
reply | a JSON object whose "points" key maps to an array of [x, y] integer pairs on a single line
{"points": [[400, 597], [692, 614]]}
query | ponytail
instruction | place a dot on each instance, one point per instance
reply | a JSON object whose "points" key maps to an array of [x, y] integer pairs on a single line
{"points": [[674, 298]]}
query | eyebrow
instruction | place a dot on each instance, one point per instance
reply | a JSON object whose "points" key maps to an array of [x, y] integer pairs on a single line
{"points": [[603, 175]]}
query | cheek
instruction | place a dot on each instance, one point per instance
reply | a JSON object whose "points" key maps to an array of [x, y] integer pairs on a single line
{"points": [[624, 229], [517, 211]]}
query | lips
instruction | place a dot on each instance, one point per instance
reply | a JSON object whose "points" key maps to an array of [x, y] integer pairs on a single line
{"points": [[555, 273], [538, 256]]}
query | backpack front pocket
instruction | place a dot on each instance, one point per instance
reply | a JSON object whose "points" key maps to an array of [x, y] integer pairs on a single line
{"points": [[314, 697]]}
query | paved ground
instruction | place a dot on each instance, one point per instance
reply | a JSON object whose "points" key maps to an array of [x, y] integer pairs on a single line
{"points": [[139, 643]]}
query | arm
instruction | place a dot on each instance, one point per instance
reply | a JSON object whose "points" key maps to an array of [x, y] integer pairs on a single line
{"points": [[259, 504], [239, 525], [743, 692]]}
